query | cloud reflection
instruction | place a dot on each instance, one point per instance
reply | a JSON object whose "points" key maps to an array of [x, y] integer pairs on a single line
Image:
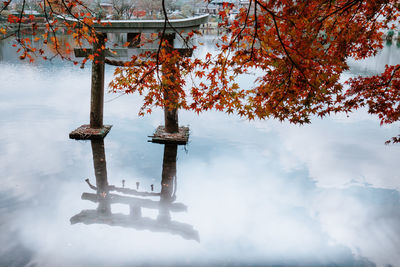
{"points": [[258, 193]]}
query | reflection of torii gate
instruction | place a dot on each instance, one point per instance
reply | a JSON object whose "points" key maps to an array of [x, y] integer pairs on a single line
{"points": [[133, 28], [166, 205]]}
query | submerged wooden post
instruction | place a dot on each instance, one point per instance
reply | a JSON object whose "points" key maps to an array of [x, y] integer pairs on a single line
{"points": [[171, 132], [171, 120], [96, 129], [97, 88]]}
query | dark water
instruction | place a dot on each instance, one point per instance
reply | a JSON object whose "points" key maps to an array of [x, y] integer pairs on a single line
{"points": [[240, 193]]}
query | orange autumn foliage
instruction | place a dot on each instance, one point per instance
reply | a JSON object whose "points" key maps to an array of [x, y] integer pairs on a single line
{"points": [[298, 51]]}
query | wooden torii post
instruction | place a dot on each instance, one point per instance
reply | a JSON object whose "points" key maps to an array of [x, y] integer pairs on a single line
{"points": [[170, 132]]}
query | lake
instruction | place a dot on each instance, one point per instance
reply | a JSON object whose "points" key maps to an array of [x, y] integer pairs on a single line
{"points": [[239, 194]]}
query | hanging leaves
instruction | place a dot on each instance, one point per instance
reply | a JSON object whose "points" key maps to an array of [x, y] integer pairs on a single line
{"points": [[297, 49]]}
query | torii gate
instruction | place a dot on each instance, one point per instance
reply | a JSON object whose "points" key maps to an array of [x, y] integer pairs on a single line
{"points": [[170, 133]]}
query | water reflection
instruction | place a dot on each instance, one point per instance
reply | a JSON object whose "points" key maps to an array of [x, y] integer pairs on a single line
{"points": [[106, 195], [389, 55], [260, 193]]}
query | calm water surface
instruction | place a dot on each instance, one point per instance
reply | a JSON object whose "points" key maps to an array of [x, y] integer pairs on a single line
{"points": [[240, 193]]}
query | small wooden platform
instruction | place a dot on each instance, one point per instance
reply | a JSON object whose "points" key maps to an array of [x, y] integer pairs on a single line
{"points": [[86, 133], [162, 137]]}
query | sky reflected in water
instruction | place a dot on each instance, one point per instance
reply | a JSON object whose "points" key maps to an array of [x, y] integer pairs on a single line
{"points": [[244, 193]]}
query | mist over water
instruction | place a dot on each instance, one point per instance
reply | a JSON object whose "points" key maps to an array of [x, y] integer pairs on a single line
{"points": [[240, 193]]}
